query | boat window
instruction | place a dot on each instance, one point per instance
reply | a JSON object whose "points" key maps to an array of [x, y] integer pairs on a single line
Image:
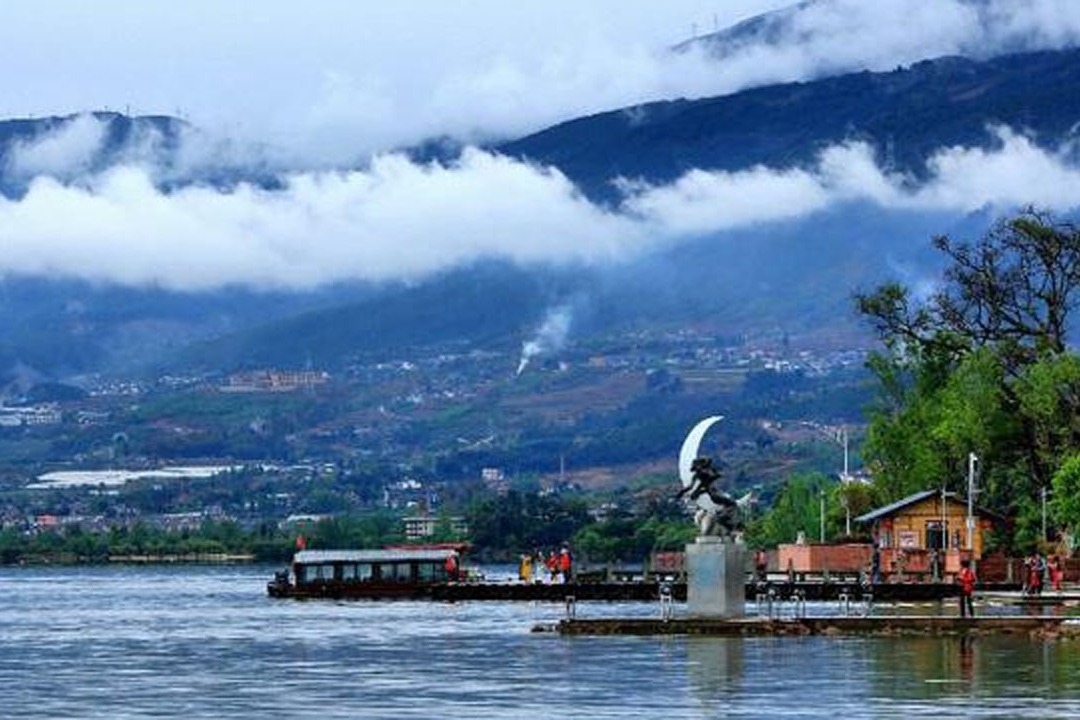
{"points": [[301, 573], [348, 572], [428, 572], [363, 571], [399, 572], [324, 572]]}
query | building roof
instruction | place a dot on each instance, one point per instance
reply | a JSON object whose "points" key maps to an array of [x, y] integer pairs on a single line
{"points": [[914, 499]]}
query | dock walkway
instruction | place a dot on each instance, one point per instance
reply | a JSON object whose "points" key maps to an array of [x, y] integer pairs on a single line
{"points": [[882, 626]]}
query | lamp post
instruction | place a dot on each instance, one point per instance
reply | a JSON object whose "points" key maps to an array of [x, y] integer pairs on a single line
{"points": [[970, 544], [823, 515], [1044, 514]]}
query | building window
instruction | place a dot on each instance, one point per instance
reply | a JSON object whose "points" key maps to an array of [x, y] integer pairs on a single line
{"points": [[937, 535]]}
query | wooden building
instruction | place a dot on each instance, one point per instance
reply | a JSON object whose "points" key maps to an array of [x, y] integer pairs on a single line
{"points": [[926, 534]]}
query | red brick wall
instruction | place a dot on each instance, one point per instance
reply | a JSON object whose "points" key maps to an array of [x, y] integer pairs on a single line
{"points": [[849, 557]]}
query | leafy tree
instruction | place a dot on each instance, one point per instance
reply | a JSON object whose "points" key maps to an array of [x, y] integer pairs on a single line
{"points": [[1013, 290], [1066, 502], [981, 366], [797, 509]]}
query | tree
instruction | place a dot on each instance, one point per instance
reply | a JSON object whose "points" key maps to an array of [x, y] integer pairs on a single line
{"points": [[981, 366], [1066, 502], [1013, 290], [796, 509]]}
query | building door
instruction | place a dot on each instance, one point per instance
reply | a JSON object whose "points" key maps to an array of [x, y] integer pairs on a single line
{"points": [[937, 535]]}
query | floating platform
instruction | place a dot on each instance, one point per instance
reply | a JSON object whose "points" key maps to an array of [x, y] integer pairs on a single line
{"points": [[880, 626]]}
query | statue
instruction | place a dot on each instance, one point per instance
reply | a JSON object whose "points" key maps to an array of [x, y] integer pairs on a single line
{"points": [[718, 514]]}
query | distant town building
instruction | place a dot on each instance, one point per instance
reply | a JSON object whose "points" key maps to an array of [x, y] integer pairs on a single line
{"points": [[495, 480], [33, 415], [419, 527], [274, 381]]}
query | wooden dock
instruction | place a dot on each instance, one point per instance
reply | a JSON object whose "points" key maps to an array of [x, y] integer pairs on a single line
{"points": [[810, 591], [873, 626]]}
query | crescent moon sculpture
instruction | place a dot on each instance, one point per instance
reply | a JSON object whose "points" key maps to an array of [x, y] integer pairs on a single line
{"points": [[690, 447], [717, 513]]}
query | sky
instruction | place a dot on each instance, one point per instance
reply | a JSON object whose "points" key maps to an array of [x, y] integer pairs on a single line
{"points": [[369, 74], [326, 87]]}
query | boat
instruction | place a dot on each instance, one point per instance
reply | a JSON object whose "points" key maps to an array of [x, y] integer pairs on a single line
{"points": [[407, 573], [436, 572], [427, 572]]}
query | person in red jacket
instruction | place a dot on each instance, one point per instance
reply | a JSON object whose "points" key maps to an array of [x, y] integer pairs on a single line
{"points": [[552, 565], [565, 562], [966, 578]]}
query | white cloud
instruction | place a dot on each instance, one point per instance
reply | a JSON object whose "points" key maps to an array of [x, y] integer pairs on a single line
{"points": [[337, 81], [65, 152], [398, 219]]}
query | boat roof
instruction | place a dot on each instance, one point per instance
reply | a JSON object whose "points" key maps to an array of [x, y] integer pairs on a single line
{"points": [[306, 557]]}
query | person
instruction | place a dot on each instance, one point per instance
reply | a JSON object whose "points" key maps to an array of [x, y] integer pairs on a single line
{"points": [[966, 578], [451, 566], [552, 565], [525, 569], [934, 574], [1035, 574], [875, 566], [761, 565], [1057, 572], [565, 563]]}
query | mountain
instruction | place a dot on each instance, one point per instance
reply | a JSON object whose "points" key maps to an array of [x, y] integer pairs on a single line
{"points": [[993, 30], [905, 115], [795, 276], [483, 305], [73, 147]]}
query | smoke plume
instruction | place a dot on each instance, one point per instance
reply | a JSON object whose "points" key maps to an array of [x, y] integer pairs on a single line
{"points": [[550, 338]]}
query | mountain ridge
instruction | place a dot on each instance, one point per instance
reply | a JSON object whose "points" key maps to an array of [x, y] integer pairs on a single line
{"points": [[764, 274]]}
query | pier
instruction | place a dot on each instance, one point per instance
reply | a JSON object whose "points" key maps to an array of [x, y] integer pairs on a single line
{"points": [[874, 626]]}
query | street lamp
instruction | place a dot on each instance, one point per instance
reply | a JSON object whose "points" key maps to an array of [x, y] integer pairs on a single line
{"points": [[823, 515], [972, 460], [1043, 491]]}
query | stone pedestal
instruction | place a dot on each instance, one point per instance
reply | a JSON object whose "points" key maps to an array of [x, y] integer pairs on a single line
{"points": [[716, 578]]}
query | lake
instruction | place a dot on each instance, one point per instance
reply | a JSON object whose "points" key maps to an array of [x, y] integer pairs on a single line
{"points": [[206, 642]]}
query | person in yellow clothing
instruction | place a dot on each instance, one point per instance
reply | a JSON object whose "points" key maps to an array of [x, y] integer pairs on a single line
{"points": [[525, 569]]}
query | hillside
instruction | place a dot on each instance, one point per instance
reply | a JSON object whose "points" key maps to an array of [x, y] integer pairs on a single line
{"points": [[906, 115]]}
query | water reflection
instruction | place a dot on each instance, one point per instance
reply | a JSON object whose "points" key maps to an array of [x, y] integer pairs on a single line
{"points": [[208, 643]]}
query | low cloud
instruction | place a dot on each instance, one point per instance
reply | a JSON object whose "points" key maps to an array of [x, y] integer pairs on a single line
{"points": [[67, 151], [395, 220], [358, 79], [508, 94], [399, 219]]}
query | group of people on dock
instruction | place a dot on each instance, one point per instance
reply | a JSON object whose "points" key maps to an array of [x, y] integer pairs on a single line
{"points": [[554, 568], [1040, 571]]}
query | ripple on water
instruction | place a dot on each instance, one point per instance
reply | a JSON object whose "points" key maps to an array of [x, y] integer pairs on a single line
{"points": [[206, 642]]}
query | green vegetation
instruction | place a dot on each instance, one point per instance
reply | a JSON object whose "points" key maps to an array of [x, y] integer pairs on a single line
{"points": [[140, 542], [983, 367]]}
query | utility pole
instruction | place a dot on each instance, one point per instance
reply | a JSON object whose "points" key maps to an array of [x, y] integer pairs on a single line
{"points": [[1044, 514], [970, 544], [845, 479], [844, 436], [822, 514], [944, 537]]}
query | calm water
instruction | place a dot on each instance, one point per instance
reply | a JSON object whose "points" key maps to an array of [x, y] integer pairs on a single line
{"points": [[208, 643]]}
